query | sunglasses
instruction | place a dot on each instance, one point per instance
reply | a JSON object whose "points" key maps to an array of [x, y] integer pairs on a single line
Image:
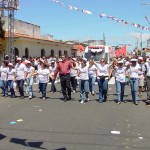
{"points": [[102, 61]]}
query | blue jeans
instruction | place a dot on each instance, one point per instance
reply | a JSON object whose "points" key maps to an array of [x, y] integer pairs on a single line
{"points": [[20, 84], [29, 86], [84, 89], [103, 88], [11, 86], [43, 87], [92, 84], [134, 88], [120, 86], [4, 87]]}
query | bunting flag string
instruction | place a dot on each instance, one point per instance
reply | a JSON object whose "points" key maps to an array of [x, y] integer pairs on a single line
{"points": [[102, 15]]}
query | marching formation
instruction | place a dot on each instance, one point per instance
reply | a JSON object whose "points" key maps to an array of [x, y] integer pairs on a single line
{"points": [[134, 71]]}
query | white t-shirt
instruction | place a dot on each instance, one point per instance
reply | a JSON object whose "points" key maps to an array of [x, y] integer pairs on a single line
{"points": [[73, 72], [134, 71], [92, 71], [83, 73], [20, 70], [52, 70], [102, 70], [29, 70], [3, 72], [43, 75], [120, 74], [11, 74]]}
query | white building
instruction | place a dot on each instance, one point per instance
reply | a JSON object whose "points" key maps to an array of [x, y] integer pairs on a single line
{"points": [[29, 42]]}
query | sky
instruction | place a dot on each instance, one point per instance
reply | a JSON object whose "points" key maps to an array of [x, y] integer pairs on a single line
{"points": [[65, 24]]}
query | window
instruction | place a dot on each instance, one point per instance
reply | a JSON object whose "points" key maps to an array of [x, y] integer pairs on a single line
{"points": [[66, 53], [26, 53], [52, 53], [42, 52], [16, 52], [60, 53]]}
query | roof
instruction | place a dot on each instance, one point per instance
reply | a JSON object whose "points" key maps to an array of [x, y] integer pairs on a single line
{"points": [[22, 35]]}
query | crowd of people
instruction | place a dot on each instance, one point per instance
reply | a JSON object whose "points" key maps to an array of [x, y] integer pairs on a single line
{"points": [[134, 71]]}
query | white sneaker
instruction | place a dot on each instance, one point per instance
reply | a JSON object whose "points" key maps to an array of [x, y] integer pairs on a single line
{"points": [[88, 99], [30, 97], [44, 98], [74, 91], [82, 102], [93, 93]]}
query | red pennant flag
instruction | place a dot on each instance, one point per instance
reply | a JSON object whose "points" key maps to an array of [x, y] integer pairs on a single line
{"points": [[121, 51]]}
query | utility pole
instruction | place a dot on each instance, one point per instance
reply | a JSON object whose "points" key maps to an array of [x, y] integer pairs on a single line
{"points": [[10, 6], [104, 39]]}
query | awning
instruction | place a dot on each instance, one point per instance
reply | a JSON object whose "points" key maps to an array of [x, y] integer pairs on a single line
{"points": [[96, 50]]}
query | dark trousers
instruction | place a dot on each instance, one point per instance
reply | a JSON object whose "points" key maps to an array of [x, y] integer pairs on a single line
{"points": [[20, 84], [43, 87], [65, 84], [73, 81]]}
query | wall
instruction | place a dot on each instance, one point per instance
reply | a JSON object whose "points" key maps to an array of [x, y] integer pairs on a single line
{"points": [[35, 47], [24, 27]]}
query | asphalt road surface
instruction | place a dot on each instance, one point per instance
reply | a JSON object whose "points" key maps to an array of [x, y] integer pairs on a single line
{"points": [[52, 124]]}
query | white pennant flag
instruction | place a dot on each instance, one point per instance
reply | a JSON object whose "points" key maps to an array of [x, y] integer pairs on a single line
{"points": [[102, 15], [70, 7], [87, 12]]}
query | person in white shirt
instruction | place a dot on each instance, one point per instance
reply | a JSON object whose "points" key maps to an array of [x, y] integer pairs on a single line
{"points": [[73, 75], [83, 81], [3, 78], [133, 73], [29, 78], [92, 72], [11, 73], [43, 75], [103, 76], [141, 75], [52, 70], [20, 76], [120, 81]]}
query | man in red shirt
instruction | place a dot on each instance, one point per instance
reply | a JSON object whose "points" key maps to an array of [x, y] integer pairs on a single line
{"points": [[63, 67]]}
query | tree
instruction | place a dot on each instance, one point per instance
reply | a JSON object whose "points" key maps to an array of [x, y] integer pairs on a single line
{"points": [[2, 37]]}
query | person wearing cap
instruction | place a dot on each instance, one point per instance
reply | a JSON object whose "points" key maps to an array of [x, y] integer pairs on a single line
{"points": [[133, 74], [11, 73], [73, 75], [43, 75], [141, 74], [147, 66], [39, 67], [20, 76], [120, 81], [52, 68], [3, 78], [92, 72], [83, 81], [103, 76], [29, 78], [64, 68]]}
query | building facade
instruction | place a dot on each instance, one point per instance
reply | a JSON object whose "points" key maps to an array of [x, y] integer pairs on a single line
{"points": [[28, 41]]}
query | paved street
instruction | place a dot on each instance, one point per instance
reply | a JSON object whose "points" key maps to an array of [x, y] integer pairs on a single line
{"points": [[56, 125]]}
